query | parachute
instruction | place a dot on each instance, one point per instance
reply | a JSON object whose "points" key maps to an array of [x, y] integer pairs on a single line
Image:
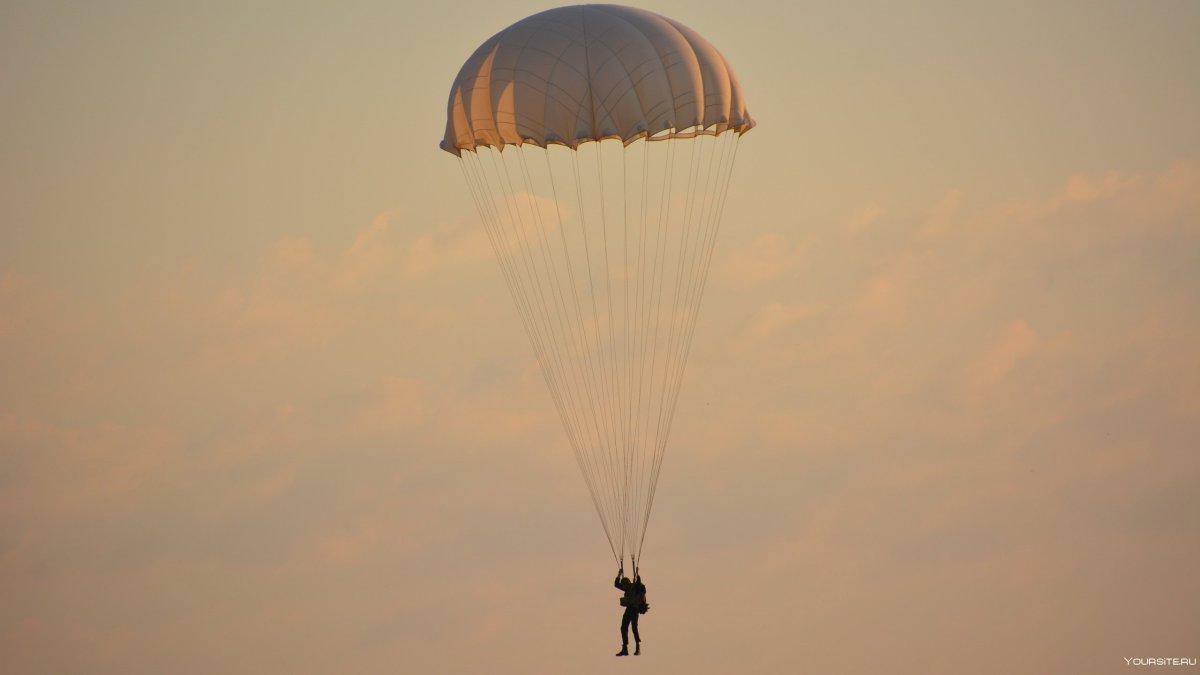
{"points": [[597, 142]]}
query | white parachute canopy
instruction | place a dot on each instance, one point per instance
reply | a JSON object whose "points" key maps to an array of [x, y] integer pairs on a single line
{"points": [[598, 142]]}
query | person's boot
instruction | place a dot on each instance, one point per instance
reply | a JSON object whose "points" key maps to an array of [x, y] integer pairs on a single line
{"points": [[624, 651], [637, 649]]}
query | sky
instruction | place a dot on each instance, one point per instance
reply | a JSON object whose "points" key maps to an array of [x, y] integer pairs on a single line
{"points": [[266, 406]]}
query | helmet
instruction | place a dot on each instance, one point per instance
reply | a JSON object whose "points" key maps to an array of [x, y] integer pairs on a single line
{"points": [[625, 581]]}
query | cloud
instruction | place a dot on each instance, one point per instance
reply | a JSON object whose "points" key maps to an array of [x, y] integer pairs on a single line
{"points": [[881, 412], [1021, 318], [769, 320], [766, 257], [863, 217], [1016, 344], [54, 473], [401, 405], [445, 250], [351, 545]]}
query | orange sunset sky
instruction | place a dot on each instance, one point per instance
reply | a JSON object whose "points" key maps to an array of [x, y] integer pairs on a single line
{"points": [[266, 407]]}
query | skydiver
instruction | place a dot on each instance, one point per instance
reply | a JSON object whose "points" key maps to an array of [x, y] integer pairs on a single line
{"points": [[634, 602]]}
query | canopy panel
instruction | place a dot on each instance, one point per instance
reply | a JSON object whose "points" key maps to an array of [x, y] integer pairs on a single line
{"points": [[591, 72]]}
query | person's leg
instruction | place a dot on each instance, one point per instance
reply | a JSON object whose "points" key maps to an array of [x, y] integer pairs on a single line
{"points": [[636, 638], [624, 635]]}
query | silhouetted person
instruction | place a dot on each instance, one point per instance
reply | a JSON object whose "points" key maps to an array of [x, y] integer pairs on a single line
{"points": [[634, 603]]}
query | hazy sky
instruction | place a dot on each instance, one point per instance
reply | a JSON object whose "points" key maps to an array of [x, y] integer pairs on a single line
{"points": [[265, 406]]}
